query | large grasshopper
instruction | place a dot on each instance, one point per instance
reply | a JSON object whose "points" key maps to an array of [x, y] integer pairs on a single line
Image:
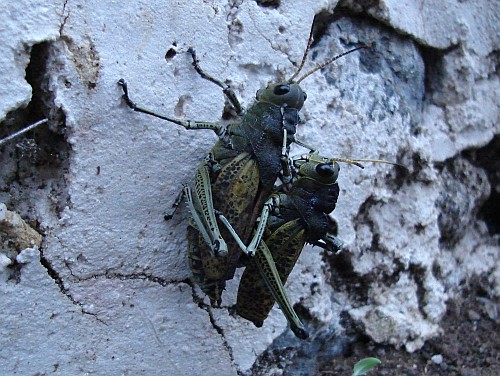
{"points": [[234, 181], [298, 215]]}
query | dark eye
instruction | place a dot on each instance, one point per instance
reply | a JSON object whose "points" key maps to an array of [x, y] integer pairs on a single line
{"points": [[325, 170], [305, 97], [281, 89]]}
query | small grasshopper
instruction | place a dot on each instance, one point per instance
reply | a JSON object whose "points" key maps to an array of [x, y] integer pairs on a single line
{"points": [[298, 215], [234, 181]]}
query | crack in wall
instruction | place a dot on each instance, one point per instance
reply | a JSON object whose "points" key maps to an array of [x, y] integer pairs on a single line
{"points": [[202, 305], [140, 276], [53, 273], [64, 17], [126, 277]]}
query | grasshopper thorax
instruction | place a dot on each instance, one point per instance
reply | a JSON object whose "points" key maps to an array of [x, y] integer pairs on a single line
{"points": [[287, 94]]}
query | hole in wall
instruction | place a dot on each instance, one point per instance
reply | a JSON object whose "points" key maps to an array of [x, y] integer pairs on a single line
{"points": [[269, 3], [32, 166], [171, 52], [487, 158]]}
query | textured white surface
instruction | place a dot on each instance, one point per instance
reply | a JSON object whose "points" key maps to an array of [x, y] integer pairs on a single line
{"points": [[120, 303]]}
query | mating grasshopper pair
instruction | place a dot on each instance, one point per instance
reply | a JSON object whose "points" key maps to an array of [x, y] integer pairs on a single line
{"points": [[234, 188]]}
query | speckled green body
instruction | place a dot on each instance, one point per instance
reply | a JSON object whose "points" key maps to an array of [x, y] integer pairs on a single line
{"points": [[300, 218], [246, 167]]}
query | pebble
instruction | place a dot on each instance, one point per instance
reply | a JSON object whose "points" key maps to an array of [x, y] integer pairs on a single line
{"points": [[473, 315], [437, 359]]}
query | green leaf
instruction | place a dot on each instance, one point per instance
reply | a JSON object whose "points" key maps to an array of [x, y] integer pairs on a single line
{"points": [[364, 365]]}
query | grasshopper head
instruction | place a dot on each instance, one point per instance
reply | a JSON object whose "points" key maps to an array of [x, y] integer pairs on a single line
{"points": [[283, 93], [316, 182], [320, 169]]}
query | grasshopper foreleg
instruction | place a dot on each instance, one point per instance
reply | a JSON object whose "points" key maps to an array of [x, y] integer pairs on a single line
{"points": [[226, 89], [286, 174]]}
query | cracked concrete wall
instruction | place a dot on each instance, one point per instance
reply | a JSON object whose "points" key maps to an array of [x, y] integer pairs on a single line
{"points": [[108, 291]]}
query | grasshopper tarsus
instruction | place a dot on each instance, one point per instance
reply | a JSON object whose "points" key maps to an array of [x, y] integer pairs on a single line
{"points": [[299, 332], [192, 52], [175, 205], [125, 95]]}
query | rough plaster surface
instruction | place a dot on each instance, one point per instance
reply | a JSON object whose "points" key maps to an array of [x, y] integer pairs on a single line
{"points": [[108, 292]]}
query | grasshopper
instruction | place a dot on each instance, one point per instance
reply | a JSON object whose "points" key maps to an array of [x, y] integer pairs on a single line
{"points": [[235, 180], [298, 215]]}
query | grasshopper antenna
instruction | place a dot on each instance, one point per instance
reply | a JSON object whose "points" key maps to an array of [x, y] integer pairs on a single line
{"points": [[319, 66], [382, 161], [356, 162], [306, 52], [329, 61]]}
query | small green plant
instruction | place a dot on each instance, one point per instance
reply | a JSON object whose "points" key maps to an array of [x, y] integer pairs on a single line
{"points": [[364, 365]]}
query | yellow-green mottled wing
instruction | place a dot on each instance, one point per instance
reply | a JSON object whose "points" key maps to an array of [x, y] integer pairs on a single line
{"points": [[254, 298], [234, 190], [234, 195]]}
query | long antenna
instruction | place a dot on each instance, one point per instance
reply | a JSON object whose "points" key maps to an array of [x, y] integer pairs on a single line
{"points": [[381, 161], [329, 61], [309, 42], [356, 161]]}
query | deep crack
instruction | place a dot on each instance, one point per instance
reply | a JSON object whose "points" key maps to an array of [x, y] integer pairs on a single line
{"points": [[52, 272], [202, 305]]}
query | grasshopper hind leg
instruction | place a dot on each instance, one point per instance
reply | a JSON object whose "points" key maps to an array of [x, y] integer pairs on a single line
{"points": [[212, 287], [255, 299], [201, 207]]}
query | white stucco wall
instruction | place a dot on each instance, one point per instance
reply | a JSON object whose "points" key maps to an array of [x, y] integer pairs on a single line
{"points": [[111, 294]]}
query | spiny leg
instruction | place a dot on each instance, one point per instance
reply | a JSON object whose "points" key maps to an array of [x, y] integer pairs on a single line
{"points": [[269, 273], [226, 89], [188, 124], [203, 212], [259, 232]]}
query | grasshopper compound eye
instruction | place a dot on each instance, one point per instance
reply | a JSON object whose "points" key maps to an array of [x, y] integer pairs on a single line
{"points": [[281, 89], [325, 170]]}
